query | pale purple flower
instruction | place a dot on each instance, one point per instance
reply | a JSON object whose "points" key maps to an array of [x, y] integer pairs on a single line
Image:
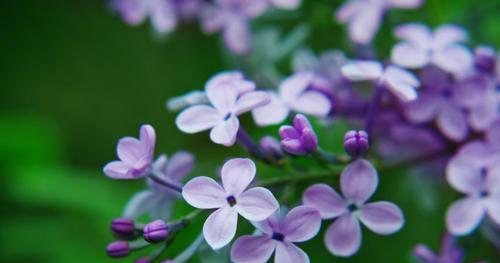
{"points": [[449, 252], [400, 82], [475, 172], [300, 224], [293, 94], [229, 200], [442, 48], [493, 134], [358, 182], [365, 16], [136, 156], [285, 4], [228, 99], [300, 138]]}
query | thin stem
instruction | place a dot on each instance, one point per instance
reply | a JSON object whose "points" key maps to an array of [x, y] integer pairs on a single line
{"points": [[164, 183], [374, 106]]}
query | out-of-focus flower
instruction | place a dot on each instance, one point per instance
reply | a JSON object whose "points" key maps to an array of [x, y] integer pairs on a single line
{"points": [[156, 231], [142, 260], [294, 94], [221, 117], [358, 182], [365, 16], [118, 249], [474, 171], [449, 252], [300, 138], [400, 82], [300, 224], [422, 47], [285, 4], [123, 228], [136, 156], [485, 59], [271, 146], [356, 143], [493, 135], [254, 204]]}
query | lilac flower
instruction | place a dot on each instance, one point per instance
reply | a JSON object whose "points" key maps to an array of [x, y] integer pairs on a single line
{"points": [[449, 252], [300, 138], [474, 171], [158, 200], [300, 224], [485, 59], [358, 182], [356, 143], [422, 47], [254, 204], [285, 4], [365, 16], [294, 94], [400, 82], [136, 156], [227, 102]]}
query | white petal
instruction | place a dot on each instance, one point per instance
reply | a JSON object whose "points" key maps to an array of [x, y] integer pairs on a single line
{"points": [[256, 204], [409, 55], [273, 113], [204, 193], [225, 131], [313, 103], [237, 174], [197, 118], [251, 100], [220, 227], [362, 70], [455, 59]]}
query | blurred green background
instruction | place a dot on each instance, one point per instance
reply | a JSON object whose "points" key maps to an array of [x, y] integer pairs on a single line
{"points": [[74, 79]]}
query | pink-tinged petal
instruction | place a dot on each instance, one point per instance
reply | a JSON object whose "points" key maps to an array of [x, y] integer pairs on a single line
{"points": [[133, 11], [364, 25], [231, 78], [362, 70], [482, 116], [293, 146], [220, 227], [416, 34], [237, 174], [237, 36], [293, 86], [256, 204], [251, 100], [348, 10], [197, 118], [325, 200], [448, 34], [163, 16], [270, 225], [252, 249], [274, 112], [286, 4], [423, 109], [222, 97], [404, 3], [290, 253], [455, 59], [464, 216], [225, 131], [288, 132], [451, 121], [464, 176], [148, 139], [253, 8], [493, 206], [130, 150], [409, 55], [343, 237], [313, 103], [118, 170], [301, 224], [382, 217], [358, 181], [204, 193], [179, 166]]}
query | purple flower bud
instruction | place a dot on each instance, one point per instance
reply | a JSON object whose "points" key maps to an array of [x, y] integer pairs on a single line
{"points": [[118, 249], [299, 139], [356, 143], [485, 59], [156, 231], [271, 146], [142, 260], [123, 228]]}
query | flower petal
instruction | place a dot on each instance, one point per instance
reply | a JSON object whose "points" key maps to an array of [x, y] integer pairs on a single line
{"points": [[163, 16], [325, 200], [274, 112], [222, 97], [483, 115], [364, 25], [455, 59], [464, 216], [422, 109], [132, 11], [409, 55], [225, 131], [382, 217], [286, 4], [448, 34], [147, 137], [301, 224], [313, 103], [343, 237], [358, 181], [220, 227], [179, 165], [231, 78], [252, 249], [270, 225], [236, 35], [204, 193], [118, 170], [197, 118], [404, 3], [130, 150], [451, 121], [290, 253], [256, 204], [415, 33], [293, 86], [362, 70], [237, 174], [493, 206], [251, 100], [464, 176]]}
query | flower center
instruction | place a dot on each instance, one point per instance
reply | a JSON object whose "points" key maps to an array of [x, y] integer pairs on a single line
{"points": [[227, 116], [278, 236], [231, 200], [446, 93], [352, 207], [483, 194]]}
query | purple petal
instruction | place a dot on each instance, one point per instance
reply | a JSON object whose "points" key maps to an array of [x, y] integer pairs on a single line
{"points": [[130, 150], [252, 249], [416, 34], [256, 204], [225, 131], [493, 206], [493, 133], [382, 217], [220, 227], [325, 200], [237, 174], [290, 253], [293, 146], [464, 216], [455, 59], [464, 176], [313, 103], [148, 139], [482, 116], [197, 118], [451, 121], [293, 86], [424, 254], [300, 122], [251, 100], [301, 224], [204, 193], [448, 34], [270, 225], [422, 109], [288, 132], [222, 97], [231, 78], [409, 55], [343, 237], [163, 16], [118, 170], [179, 166], [364, 25], [358, 181], [133, 11], [286, 4], [362, 70], [348, 10], [274, 112], [237, 36]]}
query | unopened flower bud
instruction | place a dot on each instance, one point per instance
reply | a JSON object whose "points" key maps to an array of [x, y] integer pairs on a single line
{"points": [[156, 231], [271, 146], [300, 138], [118, 249], [123, 228], [142, 260], [356, 143]]}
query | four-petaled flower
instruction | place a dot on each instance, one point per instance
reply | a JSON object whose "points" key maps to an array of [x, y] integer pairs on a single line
{"points": [[254, 204], [358, 182], [300, 138], [300, 224]]}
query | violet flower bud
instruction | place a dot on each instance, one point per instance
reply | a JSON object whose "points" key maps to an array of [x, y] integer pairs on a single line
{"points": [[156, 231], [118, 249], [272, 147], [123, 228], [356, 143], [299, 139], [485, 59]]}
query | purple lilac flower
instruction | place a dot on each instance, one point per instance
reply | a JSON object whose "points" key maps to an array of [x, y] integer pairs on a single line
{"points": [[156, 231], [449, 252], [118, 249], [475, 172], [300, 138], [285, 4], [254, 204], [422, 47], [221, 117], [400, 82], [294, 94], [358, 182], [365, 16], [158, 200], [301, 224], [136, 156], [356, 143]]}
